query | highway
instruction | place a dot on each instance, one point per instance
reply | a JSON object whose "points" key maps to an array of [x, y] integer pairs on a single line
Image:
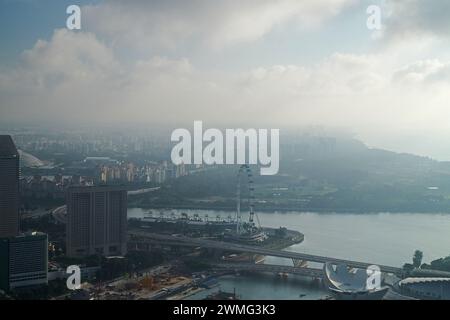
{"points": [[234, 247], [60, 214], [258, 267]]}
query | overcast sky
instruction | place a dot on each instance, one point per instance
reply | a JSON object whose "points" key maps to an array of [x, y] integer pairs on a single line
{"points": [[252, 63]]}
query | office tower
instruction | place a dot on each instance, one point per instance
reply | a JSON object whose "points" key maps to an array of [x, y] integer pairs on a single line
{"points": [[9, 187], [96, 221], [24, 260]]}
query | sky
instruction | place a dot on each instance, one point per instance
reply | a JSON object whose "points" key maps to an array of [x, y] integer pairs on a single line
{"points": [[252, 64]]}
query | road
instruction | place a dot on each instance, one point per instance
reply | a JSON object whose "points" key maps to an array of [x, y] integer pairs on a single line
{"points": [[227, 246], [259, 267], [60, 214]]}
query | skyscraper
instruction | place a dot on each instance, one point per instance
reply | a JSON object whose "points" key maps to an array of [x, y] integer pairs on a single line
{"points": [[96, 221], [9, 187], [23, 260]]}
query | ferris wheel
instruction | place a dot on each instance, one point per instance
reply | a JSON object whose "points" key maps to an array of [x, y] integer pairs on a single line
{"points": [[245, 175]]}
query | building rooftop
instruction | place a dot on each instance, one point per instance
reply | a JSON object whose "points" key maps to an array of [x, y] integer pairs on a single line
{"points": [[30, 234], [7, 147]]}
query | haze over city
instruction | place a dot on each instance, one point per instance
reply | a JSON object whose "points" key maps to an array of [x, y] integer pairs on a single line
{"points": [[284, 64], [211, 158]]}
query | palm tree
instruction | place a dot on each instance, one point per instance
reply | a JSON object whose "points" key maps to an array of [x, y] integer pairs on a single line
{"points": [[417, 258]]}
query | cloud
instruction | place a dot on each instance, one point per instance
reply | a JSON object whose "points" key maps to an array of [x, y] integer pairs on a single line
{"points": [[74, 77], [416, 19], [169, 24], [79, 77], [424, 72], [93, 76]]}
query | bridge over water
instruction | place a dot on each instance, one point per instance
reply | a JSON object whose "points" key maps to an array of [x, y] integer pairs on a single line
{"points": [[142, 236], [272, 268]]}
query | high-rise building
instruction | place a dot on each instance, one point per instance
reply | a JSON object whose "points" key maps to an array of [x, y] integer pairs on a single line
{"points": [[9, 187], [24, 257], [96, 221], [24, 260]]}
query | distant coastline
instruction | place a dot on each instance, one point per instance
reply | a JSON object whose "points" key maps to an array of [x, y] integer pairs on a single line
{"points": [[284, 209]]}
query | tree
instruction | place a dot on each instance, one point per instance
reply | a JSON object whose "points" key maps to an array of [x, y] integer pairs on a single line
{"points": [[417, 258]]}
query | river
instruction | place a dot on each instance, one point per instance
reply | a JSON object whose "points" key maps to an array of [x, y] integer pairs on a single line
{"points": [[383, 238]]}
